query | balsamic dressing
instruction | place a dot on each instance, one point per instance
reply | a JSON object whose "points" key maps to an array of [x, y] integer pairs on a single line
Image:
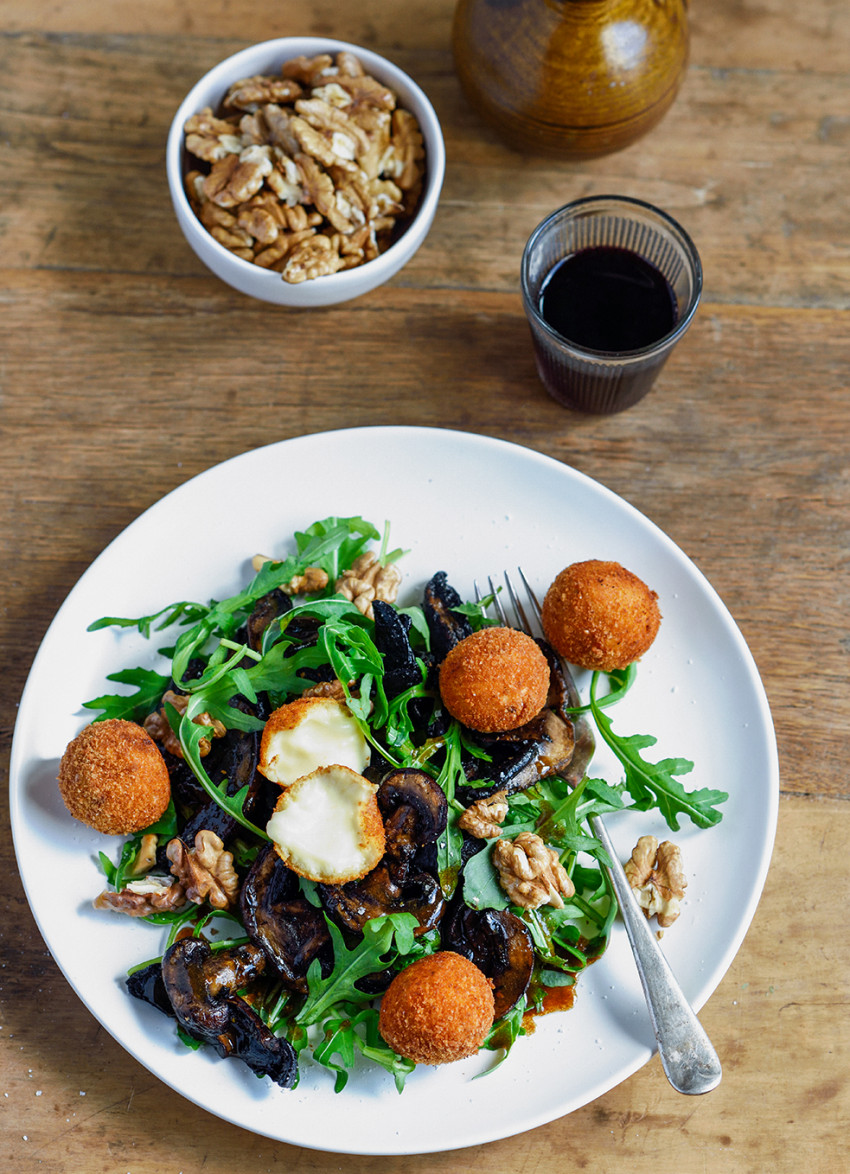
{"points": [[605, 298]]}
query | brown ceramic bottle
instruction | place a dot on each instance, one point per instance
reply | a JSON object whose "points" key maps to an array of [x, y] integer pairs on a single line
{"points": [[572, 78]]}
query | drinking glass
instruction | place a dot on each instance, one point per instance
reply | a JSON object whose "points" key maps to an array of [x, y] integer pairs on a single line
{"points": [[600, 381]]}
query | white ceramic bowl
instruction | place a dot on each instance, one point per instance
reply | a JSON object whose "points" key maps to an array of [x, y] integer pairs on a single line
{"points": [[267, 57]]}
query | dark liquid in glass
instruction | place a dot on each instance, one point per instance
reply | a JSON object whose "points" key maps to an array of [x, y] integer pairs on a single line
{"points": [[604, 298]]}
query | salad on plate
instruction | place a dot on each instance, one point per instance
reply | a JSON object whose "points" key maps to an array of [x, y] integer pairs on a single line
{"points": [[348, 815]]}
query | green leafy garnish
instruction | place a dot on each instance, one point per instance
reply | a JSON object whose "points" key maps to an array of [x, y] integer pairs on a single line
{"points": [[119, 874], [481, 888], [134, 707], [385, 939], [334, 543], [346, 1036], [619, 683], [182, 613], [506, 1031], [654, 784], [190, 734], [344, 1013], [450, 841]]}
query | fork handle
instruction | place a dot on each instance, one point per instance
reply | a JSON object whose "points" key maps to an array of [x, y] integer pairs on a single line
{"points": [[687, 1056]]}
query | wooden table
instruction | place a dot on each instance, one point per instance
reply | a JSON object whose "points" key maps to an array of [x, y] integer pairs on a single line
{"points": [[126, 368]]}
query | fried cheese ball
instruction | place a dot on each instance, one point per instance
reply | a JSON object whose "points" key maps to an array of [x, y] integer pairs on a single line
{"points": [[598, 615], [113, 778], [496, 679], [437, 1010]]}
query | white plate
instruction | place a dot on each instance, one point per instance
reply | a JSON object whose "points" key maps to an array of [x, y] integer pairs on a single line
{"points": [[468, 505]]}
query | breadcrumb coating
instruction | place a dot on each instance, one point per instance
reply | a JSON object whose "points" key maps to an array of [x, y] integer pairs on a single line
{"points": [[598, 615], [496, 679], [437, 1010], [113, 778]]}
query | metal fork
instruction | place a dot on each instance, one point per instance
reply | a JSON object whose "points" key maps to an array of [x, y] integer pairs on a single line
{"points": [[689, 1061]]}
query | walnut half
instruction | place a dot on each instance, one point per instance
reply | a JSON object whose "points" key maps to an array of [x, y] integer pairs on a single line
{"points": [[484, 818], [159, 728], [531, 873], [655, 874], [368, 579], [205, 871]]}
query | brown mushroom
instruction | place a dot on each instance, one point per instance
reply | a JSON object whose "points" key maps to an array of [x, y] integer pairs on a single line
{"points": [[201, 986], [279, 920], [415, 811], [499, 945], [446, 626]]}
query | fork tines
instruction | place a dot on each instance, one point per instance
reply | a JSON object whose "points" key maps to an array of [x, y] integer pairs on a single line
{"points": [[521, 620]]}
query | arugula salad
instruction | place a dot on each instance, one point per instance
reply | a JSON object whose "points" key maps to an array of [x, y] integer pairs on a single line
{"points": [[288, 967]]}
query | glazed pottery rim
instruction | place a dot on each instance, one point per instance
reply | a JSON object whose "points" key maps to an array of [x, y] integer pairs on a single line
{"points": [[666, 341]]}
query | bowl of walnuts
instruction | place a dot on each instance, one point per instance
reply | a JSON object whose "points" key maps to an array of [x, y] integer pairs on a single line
{"points": [[305, 171]]}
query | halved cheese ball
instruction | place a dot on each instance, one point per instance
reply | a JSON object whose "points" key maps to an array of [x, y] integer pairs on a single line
{"points": [[327, 826], [307, 733]]}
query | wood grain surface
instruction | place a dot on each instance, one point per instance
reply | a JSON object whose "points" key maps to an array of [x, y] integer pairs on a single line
{"points": [[126, 368]]}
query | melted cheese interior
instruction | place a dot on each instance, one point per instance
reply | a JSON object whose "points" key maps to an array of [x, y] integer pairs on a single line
{"points": [[324, 733], [327, 826]]}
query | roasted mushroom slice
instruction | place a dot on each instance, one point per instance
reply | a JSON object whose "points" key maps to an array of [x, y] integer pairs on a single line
{"points": [[559, 689], [279, 920], [392, 639], [499, 945], [251, 1041], [505, 769], [556, 745], [266, 610], [414, 810], [355, 903], [201, 986], [196, 983], [545, 748], [446, 626], [146, 984]]}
